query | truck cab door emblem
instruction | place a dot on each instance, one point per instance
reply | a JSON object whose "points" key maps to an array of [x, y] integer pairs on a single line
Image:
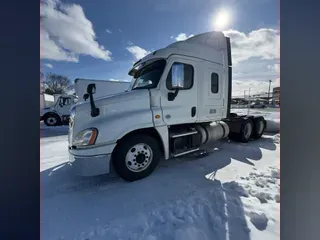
{"points": [[213, 111]]}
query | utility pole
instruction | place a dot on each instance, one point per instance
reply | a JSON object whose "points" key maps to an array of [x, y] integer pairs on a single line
{"points": [[269, 91], [249, 101], [244, 94]]}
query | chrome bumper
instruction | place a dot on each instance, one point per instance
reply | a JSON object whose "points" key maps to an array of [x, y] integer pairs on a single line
{"points": [[90, 165]]}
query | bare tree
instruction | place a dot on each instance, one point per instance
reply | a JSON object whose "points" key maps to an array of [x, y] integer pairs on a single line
{"points": [[41, 76], [56, 84], [41, 81]]}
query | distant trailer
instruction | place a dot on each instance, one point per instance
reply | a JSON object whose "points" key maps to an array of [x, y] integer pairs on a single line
{"points": [[103, 87]]}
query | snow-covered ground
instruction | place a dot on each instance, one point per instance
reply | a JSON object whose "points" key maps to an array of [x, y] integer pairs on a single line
{"points": [[231, 194]]}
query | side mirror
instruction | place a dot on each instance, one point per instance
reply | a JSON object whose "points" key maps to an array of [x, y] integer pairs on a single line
{"points": [[91, 89], [177, 80], [86, 96], [177, 76]]}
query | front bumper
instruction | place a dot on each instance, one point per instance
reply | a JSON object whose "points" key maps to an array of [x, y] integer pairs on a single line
{"points": [[90, 165]]}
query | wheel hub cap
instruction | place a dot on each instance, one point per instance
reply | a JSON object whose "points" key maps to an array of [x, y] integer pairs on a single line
{"points": [[52, 120], [139, 157]]}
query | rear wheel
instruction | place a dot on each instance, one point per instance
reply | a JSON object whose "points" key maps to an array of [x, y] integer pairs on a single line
{"points": [[51, 120], [245, 133], [136, 157], [246, 130], [259, 127]]}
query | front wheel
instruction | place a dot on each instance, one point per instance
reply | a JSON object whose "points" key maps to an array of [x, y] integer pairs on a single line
{"points": [[51, 120], [136, 157]]}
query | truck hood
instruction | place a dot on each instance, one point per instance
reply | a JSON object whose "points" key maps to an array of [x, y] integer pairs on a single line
{"points": [[115, 98]]}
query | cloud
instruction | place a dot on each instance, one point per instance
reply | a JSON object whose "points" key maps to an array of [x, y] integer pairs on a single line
{"points": [[182, 37], [108, 31], [262, 43], [138, 52], [256, 86], [66, 33], [50, 50], [48, 65], [255, 69], [274, 67]]}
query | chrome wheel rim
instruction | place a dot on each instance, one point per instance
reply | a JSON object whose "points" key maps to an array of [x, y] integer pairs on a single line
{"points": [[52, 120], [139, 157]]}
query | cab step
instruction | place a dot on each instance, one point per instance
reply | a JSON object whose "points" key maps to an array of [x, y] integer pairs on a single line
{"points": [[183, 134], [192, 150]]}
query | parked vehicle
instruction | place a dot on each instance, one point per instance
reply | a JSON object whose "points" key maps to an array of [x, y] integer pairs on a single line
{"points": [[103, 87], [257, 105], [58, 113], [46, 101], [179, 99]]}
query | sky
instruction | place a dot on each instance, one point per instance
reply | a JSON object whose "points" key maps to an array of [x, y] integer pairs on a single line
{"points": [[102, 39]]}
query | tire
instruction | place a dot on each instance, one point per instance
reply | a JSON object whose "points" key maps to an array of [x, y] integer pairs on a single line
{"points": [[131, 157], [244, 135], [259, 125], [51, 120]]}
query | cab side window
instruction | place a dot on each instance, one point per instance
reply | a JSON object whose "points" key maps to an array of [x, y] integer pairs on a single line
{"points": [[188, 74], [65, 101], [214, 83]]}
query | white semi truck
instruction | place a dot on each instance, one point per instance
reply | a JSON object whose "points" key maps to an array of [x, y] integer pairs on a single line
{"points": [[179, 100], [59, 112]]}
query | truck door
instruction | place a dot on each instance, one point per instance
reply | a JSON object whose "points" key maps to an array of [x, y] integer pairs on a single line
{"points": [[183, 109], [64, 105], [213, 93]]}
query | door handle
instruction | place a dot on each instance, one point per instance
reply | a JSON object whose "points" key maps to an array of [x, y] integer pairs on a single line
{"points": [[193, 111]]}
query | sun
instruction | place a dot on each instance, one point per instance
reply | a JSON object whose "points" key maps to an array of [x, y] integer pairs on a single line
{"points": [[221, 20]]}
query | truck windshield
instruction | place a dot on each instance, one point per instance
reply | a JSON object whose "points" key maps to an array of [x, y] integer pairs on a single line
{"points": [[149, 76]]}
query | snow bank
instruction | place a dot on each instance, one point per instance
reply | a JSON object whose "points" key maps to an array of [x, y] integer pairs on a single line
{"points": [[262, 206], [259, 220], [211, 213], [196, 217], [272, 117]]}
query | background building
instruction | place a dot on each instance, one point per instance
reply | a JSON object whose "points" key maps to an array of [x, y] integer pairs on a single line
{"points": [[276, 95]]}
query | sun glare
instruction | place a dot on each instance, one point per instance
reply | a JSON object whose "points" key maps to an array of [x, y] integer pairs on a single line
{"points": [[221, 20]]}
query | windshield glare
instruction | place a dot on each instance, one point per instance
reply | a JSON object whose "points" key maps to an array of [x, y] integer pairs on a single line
{"points": [[149, 76]]}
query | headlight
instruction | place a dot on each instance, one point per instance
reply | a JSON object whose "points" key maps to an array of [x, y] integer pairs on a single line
{"points": [[86, 137]]}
